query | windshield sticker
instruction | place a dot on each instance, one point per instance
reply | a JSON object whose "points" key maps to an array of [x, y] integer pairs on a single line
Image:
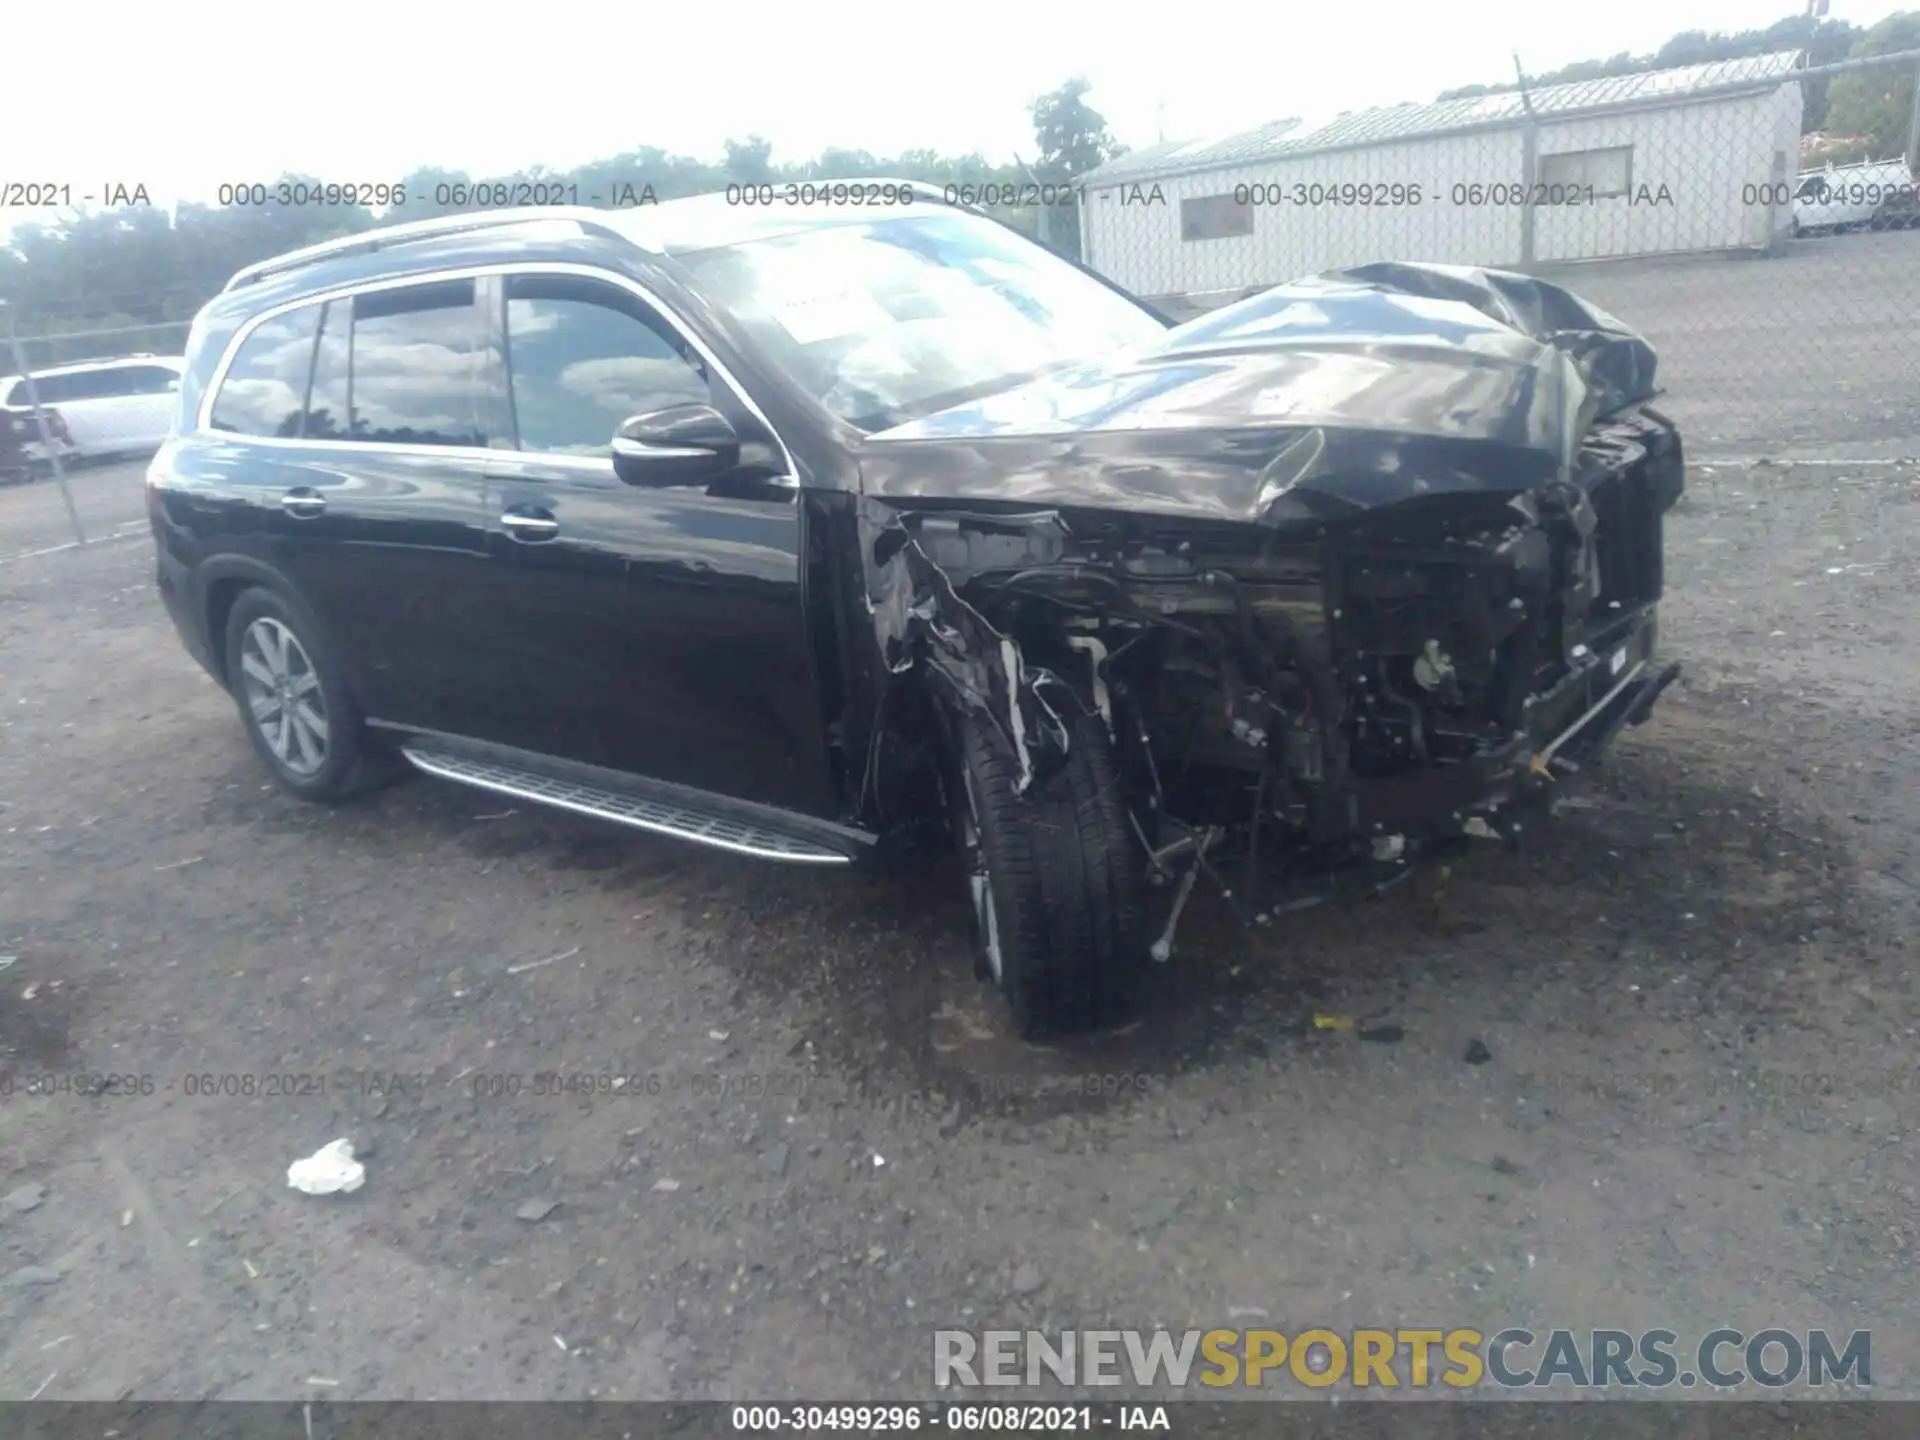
{"points": [[830, 317]]}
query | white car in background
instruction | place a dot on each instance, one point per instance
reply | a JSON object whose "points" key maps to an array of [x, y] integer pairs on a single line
{"points": [[1841, 197], [111, 407]]}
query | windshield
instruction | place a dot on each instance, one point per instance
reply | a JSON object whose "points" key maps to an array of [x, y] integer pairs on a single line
{"points": [[888, 320]]}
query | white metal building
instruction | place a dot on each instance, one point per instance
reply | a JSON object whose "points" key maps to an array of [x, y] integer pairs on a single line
{"points": [[1672, 161]]}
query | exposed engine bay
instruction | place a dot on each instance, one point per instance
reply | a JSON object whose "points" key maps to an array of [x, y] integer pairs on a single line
{"points": [[1404, 674], [1332, 637]]}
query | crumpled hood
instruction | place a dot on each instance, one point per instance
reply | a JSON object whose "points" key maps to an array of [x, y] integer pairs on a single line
{"points": [[1332, 394]]}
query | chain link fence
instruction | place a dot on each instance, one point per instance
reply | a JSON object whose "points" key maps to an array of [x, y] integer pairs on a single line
{"points": [[46, 384], [1758, 220], [1777, 273]]}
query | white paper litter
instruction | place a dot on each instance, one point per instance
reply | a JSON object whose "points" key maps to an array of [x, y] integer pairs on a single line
{"points": [[330, 1170]]}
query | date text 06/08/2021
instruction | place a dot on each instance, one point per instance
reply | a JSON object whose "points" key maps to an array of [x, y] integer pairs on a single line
{"points": [[959, 1419]]}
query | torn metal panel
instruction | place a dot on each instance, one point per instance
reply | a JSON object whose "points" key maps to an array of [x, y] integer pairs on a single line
{"points": [[1308, 403], [921, 621], [1373, 555], [1616, 364]]}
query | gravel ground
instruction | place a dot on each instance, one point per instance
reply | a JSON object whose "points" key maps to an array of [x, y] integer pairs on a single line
{"points": [[1697, 991]]}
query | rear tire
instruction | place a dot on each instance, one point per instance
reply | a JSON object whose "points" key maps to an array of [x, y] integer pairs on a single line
{"points": [[293, 699], [1054, 879]]}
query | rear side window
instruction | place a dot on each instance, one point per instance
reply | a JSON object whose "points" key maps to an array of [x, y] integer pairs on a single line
{"points": [[583, 357], [417, 363], [67, 388], [328, 406], [266, 385], [52, 389], [104, 384]]}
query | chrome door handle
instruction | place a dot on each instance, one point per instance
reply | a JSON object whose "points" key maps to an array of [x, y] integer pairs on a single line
{"points": [[303, 503], [530, 527]]}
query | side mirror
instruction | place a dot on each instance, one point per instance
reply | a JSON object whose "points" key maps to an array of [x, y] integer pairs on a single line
{"points": [[688, 444]]}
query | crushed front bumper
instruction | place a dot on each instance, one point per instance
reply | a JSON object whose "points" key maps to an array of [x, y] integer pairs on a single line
{"points": [[1568, 726]]}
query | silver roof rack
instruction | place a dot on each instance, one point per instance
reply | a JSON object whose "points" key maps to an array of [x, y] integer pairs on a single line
{"points": [[368, 241], [589, 220]]}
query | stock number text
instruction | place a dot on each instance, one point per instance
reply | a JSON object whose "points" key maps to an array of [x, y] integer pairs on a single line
{"points": [[1357, 193], [877, 192], [300, 193]]}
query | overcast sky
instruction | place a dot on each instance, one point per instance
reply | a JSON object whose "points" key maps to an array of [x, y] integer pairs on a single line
{"points": [[185, 96]]}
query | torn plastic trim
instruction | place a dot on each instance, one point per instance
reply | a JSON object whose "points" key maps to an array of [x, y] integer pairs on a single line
{"points": [[922, 623]]}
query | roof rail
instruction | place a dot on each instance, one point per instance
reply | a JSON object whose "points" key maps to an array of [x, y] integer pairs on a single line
{"points": [[588, 218], [366, 242]]}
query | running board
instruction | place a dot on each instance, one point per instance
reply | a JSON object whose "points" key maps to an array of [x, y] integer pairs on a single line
{"points": [[675, 810]]}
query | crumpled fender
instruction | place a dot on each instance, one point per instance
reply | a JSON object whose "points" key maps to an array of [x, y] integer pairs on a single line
{"points": [[923, 624]]}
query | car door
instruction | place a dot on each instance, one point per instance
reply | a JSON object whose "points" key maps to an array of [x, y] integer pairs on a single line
{"points": [[660, 632], [374, 412], [119, 387], [150, 400], [104, 404]]}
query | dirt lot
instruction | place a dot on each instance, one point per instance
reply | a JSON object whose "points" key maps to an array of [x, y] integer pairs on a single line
{"points": [[1697, 991]]}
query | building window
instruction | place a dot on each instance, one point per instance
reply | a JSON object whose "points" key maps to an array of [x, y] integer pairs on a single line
{"points": [[1602, 174], [1214, 217]]}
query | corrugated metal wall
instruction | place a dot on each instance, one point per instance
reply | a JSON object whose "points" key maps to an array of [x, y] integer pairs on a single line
{"points": [[1705, 154]]}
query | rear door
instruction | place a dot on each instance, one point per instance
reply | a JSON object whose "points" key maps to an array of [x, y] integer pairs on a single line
{"points": [[367, 476], [151, 392], [656, 631], [402, 408]]}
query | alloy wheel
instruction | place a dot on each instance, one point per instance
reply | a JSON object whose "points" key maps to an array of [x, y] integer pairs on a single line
{"points": [[283, 695]]}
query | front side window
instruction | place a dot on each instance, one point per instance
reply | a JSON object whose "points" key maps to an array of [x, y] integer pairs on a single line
{"points": [[890, 319], [417, 358], [584, 356], [266, 384]]}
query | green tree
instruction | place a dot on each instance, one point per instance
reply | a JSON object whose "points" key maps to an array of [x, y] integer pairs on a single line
{"points": [[1072, 135], [750, 161], [138, 266], [1878, 103], [1074, 140]]}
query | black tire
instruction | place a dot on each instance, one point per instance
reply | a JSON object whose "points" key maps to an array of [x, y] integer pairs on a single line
{"points": [[342, 758], [1061, 871]]}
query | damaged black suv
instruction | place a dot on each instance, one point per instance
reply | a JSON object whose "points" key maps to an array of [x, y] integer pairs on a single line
{"points": [[798, 530]]}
